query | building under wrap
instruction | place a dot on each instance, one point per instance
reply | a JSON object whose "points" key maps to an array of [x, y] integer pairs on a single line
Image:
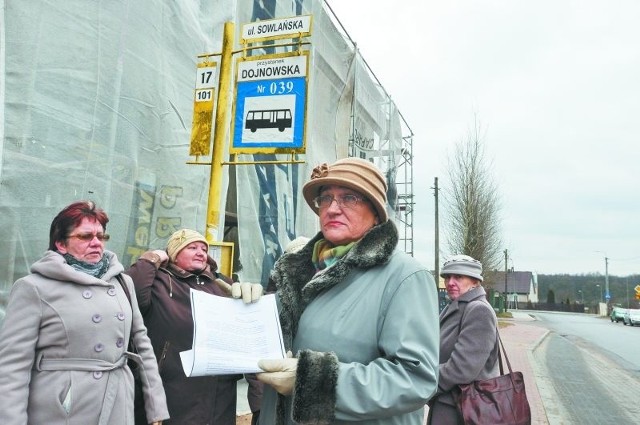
{"points": [[97, 103]]}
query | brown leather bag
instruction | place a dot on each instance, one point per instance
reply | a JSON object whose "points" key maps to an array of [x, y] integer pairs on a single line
{"points": [[497, 401]]}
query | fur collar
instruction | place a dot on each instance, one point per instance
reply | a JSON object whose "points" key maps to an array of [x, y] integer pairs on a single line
{"points": [[297, 283]]}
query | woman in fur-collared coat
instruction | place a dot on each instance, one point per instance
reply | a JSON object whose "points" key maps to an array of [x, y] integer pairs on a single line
{"points": [[468, 337], [359, 315]]}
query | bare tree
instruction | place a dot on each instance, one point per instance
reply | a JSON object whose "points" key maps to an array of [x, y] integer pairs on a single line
{"points": [[473, 203]]}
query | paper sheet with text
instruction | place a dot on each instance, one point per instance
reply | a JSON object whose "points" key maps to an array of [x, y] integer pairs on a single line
{"points": [[230, 336]]}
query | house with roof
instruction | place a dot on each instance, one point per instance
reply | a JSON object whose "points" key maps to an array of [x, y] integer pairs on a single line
{"points": [[521, 287]]}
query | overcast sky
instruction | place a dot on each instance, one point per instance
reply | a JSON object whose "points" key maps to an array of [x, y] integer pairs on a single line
{"points": [[555, 85]]}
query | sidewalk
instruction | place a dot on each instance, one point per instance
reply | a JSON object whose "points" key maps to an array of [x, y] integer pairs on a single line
{"points": [[520, 339]]}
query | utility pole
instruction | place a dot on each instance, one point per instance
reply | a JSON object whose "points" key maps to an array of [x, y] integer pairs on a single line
{"points": [[506, 289], [607, 295], [628, 293], [606, 281], [437, 238]]}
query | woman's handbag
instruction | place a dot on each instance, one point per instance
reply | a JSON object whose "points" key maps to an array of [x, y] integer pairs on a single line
{"points": [[496, 401]]}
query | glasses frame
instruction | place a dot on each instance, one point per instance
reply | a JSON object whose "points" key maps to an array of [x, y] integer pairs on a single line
{"points": [[88, 237], [340, 200]]}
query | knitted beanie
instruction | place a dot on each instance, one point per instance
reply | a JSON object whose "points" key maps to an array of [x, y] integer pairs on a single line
{"points": [[462, 265], [182, 238]]}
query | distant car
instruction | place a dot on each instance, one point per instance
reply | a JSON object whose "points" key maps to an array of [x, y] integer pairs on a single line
{"points": [[618, 314], [632, 318]]}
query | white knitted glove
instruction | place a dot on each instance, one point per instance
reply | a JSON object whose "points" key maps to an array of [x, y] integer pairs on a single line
{"points": [[249, 292], [279, 373]]}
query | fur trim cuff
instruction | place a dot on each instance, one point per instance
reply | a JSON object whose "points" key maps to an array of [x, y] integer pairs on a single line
{"points": [[314, 396]]}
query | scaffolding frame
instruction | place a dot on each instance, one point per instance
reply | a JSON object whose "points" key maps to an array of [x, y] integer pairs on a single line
{"points": [[404, 207]]}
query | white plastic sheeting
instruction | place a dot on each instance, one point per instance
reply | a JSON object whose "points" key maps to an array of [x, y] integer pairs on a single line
{"points": [[97, 98]]}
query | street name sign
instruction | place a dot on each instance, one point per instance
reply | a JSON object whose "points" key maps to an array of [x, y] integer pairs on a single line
{"points": [[270, 104], [292, 27]]}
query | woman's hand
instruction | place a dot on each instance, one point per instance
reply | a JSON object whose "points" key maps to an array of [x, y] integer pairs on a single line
{"points": [[249, 292], [279, 373], [164, 257]]}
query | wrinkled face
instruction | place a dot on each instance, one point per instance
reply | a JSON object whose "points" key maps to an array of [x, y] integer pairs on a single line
{"points": [[342, 225], [89, 250], [458, 284], [193, 257]]}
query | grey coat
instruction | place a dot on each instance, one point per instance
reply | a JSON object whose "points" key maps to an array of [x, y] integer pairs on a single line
{"points": [[468, 350], [366, 334], [62, 349]]}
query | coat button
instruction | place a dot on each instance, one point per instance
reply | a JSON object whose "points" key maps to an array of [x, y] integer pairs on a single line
{"points": [[120, 316], [86, 294], [96, 318], [97, 374], [111, 291], [119, 342], [98, 347]]}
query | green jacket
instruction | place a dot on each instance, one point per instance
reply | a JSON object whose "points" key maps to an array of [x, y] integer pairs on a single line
{"points": [[365, 332]]}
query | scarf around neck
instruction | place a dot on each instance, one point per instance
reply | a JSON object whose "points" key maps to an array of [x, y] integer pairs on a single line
{"points": [[96, 270], [325, 254]]}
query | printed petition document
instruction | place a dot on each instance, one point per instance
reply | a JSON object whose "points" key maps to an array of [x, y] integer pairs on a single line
{"points": [[230, 336]]}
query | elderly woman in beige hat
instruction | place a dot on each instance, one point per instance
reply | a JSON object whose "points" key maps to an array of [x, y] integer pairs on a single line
{"points": [[468, 337], [359, 314], [163, 281]]}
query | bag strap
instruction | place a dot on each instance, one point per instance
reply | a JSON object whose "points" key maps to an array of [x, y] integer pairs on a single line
{"points": [[132, 345], [124, 287], [501, 352]]}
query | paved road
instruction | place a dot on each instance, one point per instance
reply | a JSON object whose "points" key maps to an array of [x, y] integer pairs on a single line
{"points": [[622, 341], [580, 381], [571, 377]]}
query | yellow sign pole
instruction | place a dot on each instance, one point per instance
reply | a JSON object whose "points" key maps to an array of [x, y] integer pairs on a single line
{"points": [[219, 135]]}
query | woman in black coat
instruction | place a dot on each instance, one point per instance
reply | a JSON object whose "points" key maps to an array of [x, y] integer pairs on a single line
{"points": [[163, 280], [468, 338]]}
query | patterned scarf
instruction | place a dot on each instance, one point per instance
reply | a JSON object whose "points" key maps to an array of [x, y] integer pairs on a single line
{"points": [[325, 254], [96, 270]]}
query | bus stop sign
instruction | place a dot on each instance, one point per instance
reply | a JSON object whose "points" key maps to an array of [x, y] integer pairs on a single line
{"points": [[269, 112]]}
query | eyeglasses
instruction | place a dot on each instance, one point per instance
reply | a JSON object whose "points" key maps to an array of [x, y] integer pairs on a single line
{"points": [[86, 237], [346, 201]]}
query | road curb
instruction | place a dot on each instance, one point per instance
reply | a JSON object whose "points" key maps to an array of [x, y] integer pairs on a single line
{"points": [[536, 344]]}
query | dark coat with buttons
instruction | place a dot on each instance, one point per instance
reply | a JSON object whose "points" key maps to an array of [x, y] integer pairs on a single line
{"points": [[62, 349], [164, 298]]}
